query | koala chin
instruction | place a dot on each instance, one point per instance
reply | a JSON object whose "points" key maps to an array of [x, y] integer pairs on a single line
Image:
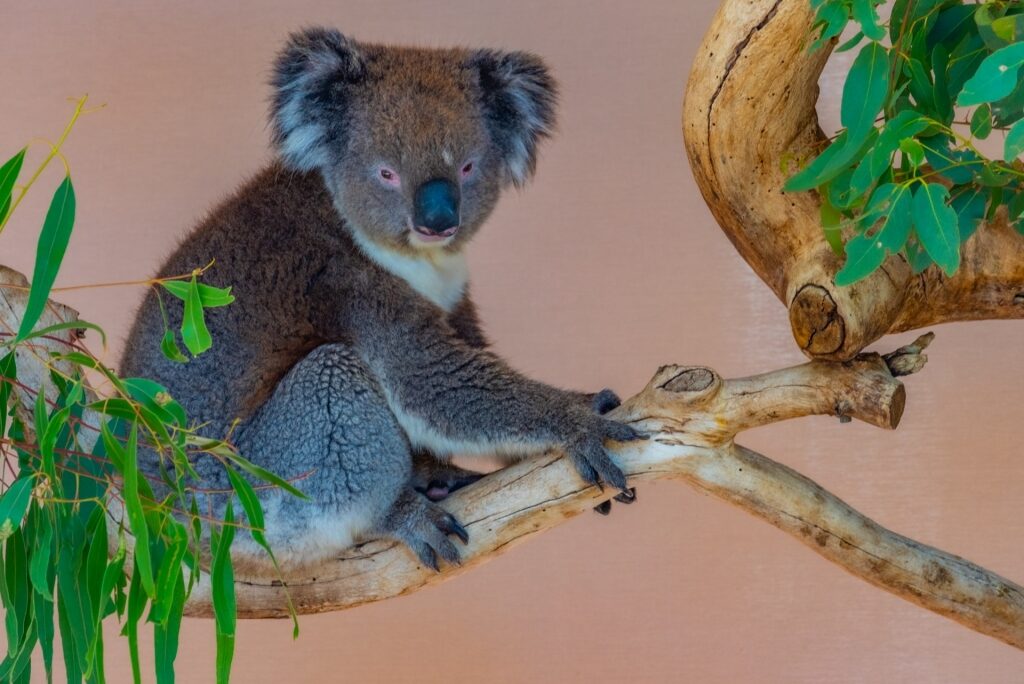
{"points": [[353, 359]]}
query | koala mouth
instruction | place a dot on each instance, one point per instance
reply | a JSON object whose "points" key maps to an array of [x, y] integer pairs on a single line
{"points": [[426, 235]]}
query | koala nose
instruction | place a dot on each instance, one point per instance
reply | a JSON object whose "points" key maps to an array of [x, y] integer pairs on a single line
{"points": [[436, 206]]}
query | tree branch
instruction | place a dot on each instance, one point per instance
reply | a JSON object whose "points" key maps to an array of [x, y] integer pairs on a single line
{"points": [[691, 415], [750, 104]]}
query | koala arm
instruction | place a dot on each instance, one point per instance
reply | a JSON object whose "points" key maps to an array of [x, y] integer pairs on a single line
{"points": [[451, 397], [466, 323]]}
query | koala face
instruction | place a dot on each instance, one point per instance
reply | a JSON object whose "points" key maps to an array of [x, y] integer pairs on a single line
{"points": [[414, 144]]}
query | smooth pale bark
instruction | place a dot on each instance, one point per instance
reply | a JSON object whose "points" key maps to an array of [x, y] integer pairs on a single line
{"points": [[692, 416], [750, 106]]}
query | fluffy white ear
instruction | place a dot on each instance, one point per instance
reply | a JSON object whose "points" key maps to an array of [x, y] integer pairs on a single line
{"points": [[518, 96], [310, 99]]}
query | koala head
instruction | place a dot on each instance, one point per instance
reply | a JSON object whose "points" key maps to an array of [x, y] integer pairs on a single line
{"points": [[415, 145]]}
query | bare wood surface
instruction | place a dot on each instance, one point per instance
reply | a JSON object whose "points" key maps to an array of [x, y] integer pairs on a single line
{"points": [[691, 415], [750, 104]]}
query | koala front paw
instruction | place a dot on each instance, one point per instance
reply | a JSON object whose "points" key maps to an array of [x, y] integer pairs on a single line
{"points": [[592, 459], [424, 527]]}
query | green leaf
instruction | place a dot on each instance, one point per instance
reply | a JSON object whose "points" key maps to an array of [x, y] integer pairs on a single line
{"points": [[913, 151], [209, 296], [892, 204], [136, 516], [832, 17], [165, 635], [136, 604], [852, 43], [169, 346], [921, 86], [194, 333], [984, 18], [169, 575], [953, 23], [222, 585], [42, 553], [1014, 145], [264, 474], [936, 224], [906, 124], [156, 398], [996, 77], [1010, 29], [831, 163], [865, 91], [8, 177], [53, 242], [863, 255], [14, 504], [964, 61], [864, 13], [969, 205], [981, 122], [66, 325], [831, 223]]}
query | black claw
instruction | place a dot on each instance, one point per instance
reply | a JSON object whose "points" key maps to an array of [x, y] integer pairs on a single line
{"points": [[604, 508], [428, 557], [449, 552], [627, 496], [454, 527]]}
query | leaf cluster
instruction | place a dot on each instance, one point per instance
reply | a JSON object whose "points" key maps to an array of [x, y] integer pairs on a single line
{"points": [[905, 175], [71, 486]]}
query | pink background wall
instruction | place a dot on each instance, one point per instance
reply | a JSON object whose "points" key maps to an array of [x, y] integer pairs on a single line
{"points": [[607, 266]]}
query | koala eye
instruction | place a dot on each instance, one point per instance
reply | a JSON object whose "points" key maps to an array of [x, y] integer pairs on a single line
{"points": [[467, 169], [389, 177]]}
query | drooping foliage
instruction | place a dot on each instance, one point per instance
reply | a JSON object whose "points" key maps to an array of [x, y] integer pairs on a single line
{"points": [[70, 480]]}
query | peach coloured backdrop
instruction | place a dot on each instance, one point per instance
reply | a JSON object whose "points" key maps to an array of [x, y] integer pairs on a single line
{"points": [[605, 267]]}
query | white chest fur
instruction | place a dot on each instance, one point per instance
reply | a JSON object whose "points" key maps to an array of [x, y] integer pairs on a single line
{"points": [[439, 277]]}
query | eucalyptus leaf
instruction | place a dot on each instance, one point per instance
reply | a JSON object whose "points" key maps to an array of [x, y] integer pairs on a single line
{"points": [[8, 177], [867, 86], [194, 332], [996, 77], [53, 242], [1014, 145], [936, 225]]}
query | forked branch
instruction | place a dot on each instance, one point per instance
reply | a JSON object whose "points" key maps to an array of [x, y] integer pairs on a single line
{"points": [[691, 415]]}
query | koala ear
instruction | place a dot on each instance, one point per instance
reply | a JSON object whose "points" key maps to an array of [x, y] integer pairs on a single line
{"points": [[311, 78], [518, 97]]}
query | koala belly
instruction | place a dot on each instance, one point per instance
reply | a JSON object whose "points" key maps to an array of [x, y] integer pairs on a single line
{"points": [[328, 429]]}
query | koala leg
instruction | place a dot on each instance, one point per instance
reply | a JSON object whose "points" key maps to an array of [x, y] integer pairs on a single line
{"points": [[328, 428]]}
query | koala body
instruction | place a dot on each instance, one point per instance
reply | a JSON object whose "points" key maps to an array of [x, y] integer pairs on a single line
{"points": [[353, 359]]}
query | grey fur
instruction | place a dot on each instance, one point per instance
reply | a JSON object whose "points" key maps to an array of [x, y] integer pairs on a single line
{"points": [[338, 370]]}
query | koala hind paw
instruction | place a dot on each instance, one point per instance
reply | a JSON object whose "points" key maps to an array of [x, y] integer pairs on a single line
{"points": [[424, 527]]}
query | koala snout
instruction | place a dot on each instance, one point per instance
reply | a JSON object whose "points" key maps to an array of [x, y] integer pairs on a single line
{"points": [[436, 208]]}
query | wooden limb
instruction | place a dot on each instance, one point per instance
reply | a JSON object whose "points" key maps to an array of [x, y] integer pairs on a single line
{"points": [[691, 415], [750, 104]]}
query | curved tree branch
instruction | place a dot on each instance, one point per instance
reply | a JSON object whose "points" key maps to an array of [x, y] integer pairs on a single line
{"points": [[692, 416], [750, 103]]}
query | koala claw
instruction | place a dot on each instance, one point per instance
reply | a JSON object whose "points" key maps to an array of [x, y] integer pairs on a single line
{"points": [[626, 497], [424, 527]]}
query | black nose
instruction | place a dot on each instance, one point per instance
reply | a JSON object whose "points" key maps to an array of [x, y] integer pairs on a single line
{"points": [[436, 205]]}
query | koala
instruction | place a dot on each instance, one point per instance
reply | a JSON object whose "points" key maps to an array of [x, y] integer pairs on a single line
{"points": [[353, 361]]}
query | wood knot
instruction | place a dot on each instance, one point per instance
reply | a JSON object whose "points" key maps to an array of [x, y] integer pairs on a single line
{"points": [[817, 324], [695, 379]]}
